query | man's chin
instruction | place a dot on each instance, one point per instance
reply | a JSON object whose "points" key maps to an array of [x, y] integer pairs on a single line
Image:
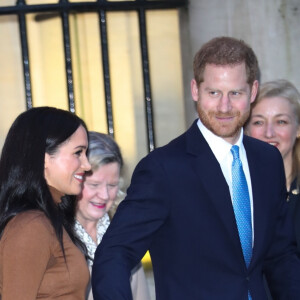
{"points": [[226, 132]]}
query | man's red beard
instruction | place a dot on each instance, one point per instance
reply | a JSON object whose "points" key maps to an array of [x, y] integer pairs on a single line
{"points": [[225, 130]]}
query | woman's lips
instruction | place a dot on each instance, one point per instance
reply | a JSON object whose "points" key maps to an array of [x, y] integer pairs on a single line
{"points": [[79, 176], [98, 205], [273, 144]]}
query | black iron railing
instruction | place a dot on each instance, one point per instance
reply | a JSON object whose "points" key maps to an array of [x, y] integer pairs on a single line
{"points": [[64, 8]]}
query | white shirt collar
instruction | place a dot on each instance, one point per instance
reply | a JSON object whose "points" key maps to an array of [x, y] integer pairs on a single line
{"points": [[218, 145]]}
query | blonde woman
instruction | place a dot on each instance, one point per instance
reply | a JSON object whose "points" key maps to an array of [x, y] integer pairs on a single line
{"points": [[275, 119]]}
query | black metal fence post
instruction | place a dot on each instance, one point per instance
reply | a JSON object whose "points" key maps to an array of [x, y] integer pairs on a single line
{"points": [[105, 63], [146, 77], [68, 57], [25, 55]]}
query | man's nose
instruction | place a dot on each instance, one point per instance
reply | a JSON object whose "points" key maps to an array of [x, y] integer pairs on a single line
{"points": [[224, 104]]}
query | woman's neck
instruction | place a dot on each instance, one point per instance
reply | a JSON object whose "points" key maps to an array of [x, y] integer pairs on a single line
{"points": [[288, 167], [89, 226], [56, 194]]}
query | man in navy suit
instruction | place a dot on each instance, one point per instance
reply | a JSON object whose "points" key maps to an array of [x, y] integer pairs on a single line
{"points": [[180, 202]]}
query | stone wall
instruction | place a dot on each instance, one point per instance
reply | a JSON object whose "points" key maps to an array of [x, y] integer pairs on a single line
{"points": [[270, 27]]}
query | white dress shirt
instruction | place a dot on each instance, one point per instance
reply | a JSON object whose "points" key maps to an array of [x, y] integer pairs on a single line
{"points": [[221, 150]]}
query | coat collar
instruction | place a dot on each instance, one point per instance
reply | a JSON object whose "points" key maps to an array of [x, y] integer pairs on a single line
{"points": [[210, 176], [209, 172]]}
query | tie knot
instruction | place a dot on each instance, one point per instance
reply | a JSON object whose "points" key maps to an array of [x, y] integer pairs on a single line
{"points": [[235, 152]]}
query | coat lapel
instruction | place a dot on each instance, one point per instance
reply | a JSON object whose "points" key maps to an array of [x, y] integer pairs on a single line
{"points": [[209, 173], [260, 205]]}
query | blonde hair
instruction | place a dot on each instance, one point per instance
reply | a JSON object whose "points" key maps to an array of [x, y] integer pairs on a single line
{"points": [[284, 89]]}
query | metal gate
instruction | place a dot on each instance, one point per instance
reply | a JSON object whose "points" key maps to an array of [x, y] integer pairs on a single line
{"points": [[62, 9]]}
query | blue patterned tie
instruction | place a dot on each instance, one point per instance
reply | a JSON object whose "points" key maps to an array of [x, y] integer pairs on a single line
{"points": [[241, 206]]}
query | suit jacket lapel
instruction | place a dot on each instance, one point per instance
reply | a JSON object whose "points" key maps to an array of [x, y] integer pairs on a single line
{"points": [[260, 205], [209, 173]]}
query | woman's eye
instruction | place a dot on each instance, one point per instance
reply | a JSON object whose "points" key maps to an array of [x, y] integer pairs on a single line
{"points": [[282, 122], [93, 185], [78, 153], [257, 123], [113, 185]]}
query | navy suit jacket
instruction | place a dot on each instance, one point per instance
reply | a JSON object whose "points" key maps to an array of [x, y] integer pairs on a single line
{"points": [[179, 207], [294, 211]]}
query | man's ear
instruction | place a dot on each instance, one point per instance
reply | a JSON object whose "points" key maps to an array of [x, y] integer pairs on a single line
{"points": [[254, 91], [194, 90]]}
